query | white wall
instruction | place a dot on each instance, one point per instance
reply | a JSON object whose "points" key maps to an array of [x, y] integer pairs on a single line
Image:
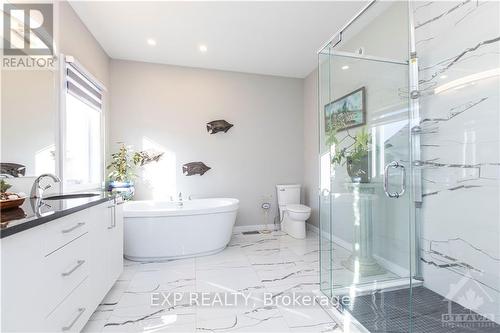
{"points": [[29, 98], [28, 119], [167, 108], [76, 40], [460, 252]]}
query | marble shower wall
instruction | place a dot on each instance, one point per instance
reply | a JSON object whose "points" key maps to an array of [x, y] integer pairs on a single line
{"points": [[458, 46]]}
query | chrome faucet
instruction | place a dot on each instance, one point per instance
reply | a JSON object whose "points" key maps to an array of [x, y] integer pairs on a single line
{"points": [[180, 203], [37, 190]]}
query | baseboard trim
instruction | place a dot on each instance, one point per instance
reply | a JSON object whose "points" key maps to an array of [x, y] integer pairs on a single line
{"points": [[342, 243], [312, 227], [389, 265]]}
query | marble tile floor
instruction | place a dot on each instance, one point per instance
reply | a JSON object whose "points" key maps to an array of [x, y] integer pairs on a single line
{"points": [[273, 264]]}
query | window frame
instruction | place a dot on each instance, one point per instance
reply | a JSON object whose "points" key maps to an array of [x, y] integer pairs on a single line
{"points": [[65, 62]]}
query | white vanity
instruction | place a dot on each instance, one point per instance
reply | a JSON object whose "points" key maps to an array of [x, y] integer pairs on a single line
{"points": [[54, 275]]}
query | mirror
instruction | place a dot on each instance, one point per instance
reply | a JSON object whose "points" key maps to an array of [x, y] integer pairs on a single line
{"points": [[28, 120]]}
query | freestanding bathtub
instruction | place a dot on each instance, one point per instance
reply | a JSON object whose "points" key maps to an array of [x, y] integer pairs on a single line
{"points": [[161, 230]]}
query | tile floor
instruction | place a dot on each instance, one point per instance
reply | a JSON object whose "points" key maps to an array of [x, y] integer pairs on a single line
{"points": [[275, 264], [259, 264], [388, 311]]}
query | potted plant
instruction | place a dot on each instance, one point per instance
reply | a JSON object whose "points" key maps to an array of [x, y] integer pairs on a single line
{"points": [[4, 186], [122, 169], [355, 156], [9, 200]]}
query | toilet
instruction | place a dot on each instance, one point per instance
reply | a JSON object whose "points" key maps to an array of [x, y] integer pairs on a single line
{"points": [[293, 215]]}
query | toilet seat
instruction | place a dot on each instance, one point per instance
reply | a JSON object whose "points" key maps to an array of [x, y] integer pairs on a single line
{"points": [[298, 208]]}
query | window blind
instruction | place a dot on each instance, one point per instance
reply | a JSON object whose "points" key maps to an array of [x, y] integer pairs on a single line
{"points": [[82, 88]]}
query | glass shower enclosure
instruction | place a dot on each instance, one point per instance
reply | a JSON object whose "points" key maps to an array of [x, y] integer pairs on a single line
{"points": [[409, 152], [367, 193]]}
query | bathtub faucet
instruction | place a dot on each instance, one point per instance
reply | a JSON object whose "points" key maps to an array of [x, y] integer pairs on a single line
{"points": [[180, 203]]}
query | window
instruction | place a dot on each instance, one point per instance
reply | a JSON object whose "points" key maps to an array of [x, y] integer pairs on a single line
{"points": [[82, 136]]}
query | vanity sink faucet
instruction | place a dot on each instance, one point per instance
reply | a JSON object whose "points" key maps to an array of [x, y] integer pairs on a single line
{"points": [[37, 190]]}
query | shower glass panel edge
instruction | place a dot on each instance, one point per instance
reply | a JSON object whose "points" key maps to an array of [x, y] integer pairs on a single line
{"points": [[325, 232]]}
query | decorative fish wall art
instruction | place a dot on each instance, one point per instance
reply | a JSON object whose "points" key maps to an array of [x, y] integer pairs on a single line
{"points": [[195, 168], [146, 157], [216, 126], [13, 169]]}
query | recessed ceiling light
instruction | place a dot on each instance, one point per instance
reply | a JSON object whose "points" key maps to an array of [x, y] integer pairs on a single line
{"points": [[151, 42], [443, 76], [345, 67], [203, 48]]}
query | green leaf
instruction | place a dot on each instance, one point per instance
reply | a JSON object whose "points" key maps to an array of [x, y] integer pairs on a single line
{"points": [[4, 186]]}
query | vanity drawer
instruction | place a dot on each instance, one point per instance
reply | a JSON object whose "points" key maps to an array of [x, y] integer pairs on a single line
{"points": [[65, 269], [72, 314], [64, 230]]}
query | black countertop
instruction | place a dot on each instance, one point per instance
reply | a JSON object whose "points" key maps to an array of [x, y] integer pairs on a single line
{"points": [[34, 212]]}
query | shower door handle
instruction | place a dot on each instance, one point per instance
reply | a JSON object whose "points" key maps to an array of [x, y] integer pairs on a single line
{"points": [[394, 165]]}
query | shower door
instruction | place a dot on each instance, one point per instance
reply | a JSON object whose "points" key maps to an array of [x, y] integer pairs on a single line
{"points": [[366, 205]]}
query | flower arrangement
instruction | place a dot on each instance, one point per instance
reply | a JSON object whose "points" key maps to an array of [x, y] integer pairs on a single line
{"points": [[122, 168], [355, 154], [125, 161]]}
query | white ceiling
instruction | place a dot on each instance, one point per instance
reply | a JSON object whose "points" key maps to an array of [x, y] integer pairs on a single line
{"points": [[274, 38]]}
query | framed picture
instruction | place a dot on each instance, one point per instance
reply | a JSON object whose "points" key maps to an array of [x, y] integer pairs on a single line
{"points": [[346, 112]]}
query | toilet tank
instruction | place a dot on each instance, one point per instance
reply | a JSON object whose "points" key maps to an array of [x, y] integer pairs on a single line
{"points": [[288, 194]]}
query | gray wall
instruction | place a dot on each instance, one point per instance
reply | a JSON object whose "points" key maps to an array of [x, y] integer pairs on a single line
{"points": [[311, 149], [166, 108]]}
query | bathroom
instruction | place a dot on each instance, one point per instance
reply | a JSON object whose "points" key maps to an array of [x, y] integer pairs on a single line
{"points": [[196, 166]]}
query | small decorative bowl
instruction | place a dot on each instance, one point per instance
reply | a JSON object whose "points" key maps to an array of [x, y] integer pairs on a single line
{"points": [[10, 204]]}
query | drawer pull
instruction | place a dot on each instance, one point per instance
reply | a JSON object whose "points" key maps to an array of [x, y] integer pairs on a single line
{"points": [[78, 264], [78, 225], [80, 312], [113, 220]]}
